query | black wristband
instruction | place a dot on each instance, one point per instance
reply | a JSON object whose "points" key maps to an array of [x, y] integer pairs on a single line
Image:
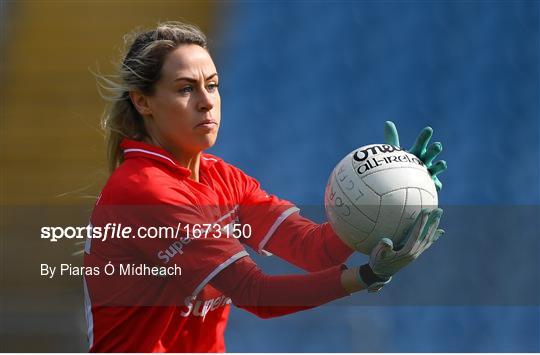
{"points": [[369, 277]]}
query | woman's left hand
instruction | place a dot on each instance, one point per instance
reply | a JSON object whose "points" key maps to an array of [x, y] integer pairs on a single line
{"points": [[420, 149]]}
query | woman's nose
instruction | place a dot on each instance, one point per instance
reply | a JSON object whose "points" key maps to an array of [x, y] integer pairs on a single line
{"points": [[206, 101]]}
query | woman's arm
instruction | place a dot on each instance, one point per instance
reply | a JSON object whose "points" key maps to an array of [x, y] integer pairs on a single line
{"points": [[279, 228], [273, 296], [310, 246]]}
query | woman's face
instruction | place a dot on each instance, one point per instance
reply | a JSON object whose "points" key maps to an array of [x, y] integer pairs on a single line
{"points": [[184, 112]]}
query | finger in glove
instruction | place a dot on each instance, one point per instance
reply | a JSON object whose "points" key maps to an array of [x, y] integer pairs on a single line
{"points": [[438, 168], [391, 134], [437, 182], [419, 147], [431, 153], [383, 249], [429, 231], [414, 232]]}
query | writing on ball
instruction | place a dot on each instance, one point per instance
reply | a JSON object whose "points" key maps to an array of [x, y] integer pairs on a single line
{"points": [[369, 159]]}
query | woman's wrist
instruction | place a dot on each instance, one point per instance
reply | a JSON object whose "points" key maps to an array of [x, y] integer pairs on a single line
{"points": [[350, 281]]}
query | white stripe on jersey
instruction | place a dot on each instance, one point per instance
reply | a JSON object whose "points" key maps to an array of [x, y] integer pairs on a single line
{"points": [[216, 271], [272, 229], [149, 152]]}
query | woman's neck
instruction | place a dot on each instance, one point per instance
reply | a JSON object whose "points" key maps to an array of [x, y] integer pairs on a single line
{"points": [[191, 162], [187, 160]]}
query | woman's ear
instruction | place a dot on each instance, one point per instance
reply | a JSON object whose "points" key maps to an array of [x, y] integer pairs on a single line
{"points": [[140, 102]]}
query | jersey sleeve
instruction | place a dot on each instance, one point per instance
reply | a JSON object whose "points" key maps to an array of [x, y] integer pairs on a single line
{"points": [[198, 254], [279, 229], [270, 296], [263, 212], [308, 245]]}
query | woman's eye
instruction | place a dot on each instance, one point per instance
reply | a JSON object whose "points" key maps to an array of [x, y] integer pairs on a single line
{"points": [[186, 90], [213, 87]]}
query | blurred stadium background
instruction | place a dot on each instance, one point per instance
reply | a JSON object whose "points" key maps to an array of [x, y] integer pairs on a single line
{"points": [[302, 84]]}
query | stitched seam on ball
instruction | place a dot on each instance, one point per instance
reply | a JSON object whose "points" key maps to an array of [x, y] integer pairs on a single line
{"points": [[380, 201], [401, 188], [402, 213]]}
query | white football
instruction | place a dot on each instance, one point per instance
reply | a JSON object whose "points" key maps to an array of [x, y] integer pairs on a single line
{"points": [[377, 191]]}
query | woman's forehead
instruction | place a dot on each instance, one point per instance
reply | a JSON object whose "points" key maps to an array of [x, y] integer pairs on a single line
{"points": [[189, 60]]}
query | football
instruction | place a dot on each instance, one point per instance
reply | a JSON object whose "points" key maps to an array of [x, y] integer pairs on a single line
{"points": [[377, 191]]}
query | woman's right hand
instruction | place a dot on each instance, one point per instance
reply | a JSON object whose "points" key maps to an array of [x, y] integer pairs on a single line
{"points": [[385, 261]]}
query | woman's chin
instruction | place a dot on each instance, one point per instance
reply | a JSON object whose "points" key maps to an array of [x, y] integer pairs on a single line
{"points": [[207, 142]]}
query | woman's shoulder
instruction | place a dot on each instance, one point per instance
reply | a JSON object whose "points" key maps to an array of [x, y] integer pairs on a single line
{"points": [[135, 182], [223, 167]]}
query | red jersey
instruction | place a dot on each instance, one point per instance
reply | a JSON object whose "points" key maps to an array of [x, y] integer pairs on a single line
{"points": [[150, 178]]}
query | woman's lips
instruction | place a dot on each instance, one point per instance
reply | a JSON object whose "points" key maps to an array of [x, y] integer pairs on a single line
{"points": [[207, 124]]}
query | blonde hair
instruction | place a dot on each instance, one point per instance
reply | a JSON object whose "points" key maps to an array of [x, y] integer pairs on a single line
{"points": [[139, 70]]}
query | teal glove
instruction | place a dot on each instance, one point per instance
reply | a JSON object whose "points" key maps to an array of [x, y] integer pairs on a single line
{"points": [[385, 261], [420, 149]]}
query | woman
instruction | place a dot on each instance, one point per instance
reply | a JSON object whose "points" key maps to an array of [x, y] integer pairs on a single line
{"points": [[165, 114]]}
